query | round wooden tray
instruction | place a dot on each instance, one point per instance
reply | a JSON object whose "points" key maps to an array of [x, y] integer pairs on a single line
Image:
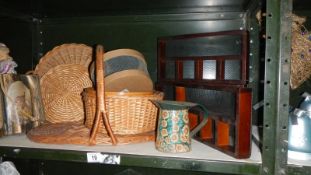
{"points": [[77, 133]]}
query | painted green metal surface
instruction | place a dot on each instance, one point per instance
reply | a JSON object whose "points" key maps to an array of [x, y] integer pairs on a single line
{"points": [[276, 91], [253, 27], [137, 161], [59, 8], [138, 32], [18, 41], [138, 28], [284, 87], [298, 170], [50, 167], [197, 165], [10, 13], [36, 42], [270, 89]]}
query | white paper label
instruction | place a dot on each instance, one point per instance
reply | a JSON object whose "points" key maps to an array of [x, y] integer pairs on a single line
{"points": [[95, 157]]}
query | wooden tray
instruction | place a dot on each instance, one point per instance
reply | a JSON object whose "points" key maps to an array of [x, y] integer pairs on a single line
{"points": [[77, 133]]}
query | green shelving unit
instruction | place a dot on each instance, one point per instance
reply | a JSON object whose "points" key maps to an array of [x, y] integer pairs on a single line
{"points": [[201, 159], [34, 27]]}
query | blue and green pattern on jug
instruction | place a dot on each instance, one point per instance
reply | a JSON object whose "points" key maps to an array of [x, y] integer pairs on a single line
{"points": [[173, 131]]}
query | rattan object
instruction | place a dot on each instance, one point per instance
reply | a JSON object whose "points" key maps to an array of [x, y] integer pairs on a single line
{"points": [[129, 113], [77, 133], [64, 54], [301, 52], [101, 112], [61, 89]]}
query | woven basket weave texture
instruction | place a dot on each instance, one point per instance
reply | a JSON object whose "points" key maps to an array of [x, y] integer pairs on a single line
{"points": [[301, 52], [72, 53], [61, 90], [132, 113]]}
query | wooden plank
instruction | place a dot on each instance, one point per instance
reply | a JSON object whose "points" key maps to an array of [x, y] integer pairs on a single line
{"points": [[222, 138]]}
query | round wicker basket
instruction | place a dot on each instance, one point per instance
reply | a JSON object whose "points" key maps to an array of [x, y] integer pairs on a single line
{"points": [[64, 54], [61, 89], [129, 113]]}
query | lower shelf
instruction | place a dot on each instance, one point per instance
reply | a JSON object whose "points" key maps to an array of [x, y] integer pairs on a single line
{"points": [[201, 158]]}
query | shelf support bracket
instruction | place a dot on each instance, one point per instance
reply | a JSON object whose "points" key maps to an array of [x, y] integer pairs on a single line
{"points": [[276, 86]]}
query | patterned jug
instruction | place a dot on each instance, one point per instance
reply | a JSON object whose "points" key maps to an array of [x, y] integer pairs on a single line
{"points": [[173, 132]]}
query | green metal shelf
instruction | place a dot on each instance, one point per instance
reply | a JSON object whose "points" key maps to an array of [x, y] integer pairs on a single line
{"points": [[202, 158], [298, 169], [175, 17]]}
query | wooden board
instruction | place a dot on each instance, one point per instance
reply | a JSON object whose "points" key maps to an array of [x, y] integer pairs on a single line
{"points": [[78, 134]]}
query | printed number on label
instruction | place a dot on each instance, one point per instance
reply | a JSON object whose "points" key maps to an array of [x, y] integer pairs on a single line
{"points": [[95, 157]]}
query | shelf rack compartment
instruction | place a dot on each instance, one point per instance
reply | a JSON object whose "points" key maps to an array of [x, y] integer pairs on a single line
{"points": [[137, 24], [213, 70]]}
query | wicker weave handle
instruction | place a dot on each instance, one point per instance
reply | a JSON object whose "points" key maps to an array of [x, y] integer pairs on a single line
{"points": [[100, 99]]}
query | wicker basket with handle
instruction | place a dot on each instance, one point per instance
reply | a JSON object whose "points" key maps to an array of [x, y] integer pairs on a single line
{"points": [[128, 113]]}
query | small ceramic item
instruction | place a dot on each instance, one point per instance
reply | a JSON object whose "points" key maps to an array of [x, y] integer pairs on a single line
{"points": [[7, 64], [4, 52], [173, 132], [299, 136]]}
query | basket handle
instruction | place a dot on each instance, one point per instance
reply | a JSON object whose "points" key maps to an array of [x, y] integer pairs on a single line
{"points": [[100, 99]]}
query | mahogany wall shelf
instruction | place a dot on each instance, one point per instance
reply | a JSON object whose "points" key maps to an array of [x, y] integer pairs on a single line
{"points": [[211, 69]]}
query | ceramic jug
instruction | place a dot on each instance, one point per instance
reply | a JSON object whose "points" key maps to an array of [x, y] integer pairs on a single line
{"points": [[299, 136], [173, 131]]}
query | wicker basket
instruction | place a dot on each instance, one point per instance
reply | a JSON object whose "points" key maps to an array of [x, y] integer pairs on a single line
{"points": [[61, 89], [129, 113], [64, 54]]}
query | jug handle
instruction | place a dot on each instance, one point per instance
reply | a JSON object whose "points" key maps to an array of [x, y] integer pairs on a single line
{"points": [[203, 122]]}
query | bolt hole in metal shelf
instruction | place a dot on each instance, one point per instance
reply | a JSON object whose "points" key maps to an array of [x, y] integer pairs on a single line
{"points": [[211, 69]]}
